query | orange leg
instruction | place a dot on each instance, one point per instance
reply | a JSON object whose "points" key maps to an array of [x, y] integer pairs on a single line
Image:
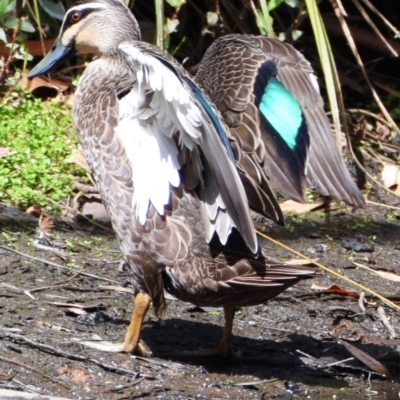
{"points": [[132, 343], [132, 338], [224, 348]]}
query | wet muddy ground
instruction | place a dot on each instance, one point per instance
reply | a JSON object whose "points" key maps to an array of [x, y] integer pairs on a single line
{"points": [[306, 343]]}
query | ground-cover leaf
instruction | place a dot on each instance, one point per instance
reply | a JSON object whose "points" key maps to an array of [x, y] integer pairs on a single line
{"points": [[41, 137]]}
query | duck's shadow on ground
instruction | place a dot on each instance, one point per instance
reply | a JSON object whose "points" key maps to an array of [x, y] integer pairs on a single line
{"points": [[260, 358]]}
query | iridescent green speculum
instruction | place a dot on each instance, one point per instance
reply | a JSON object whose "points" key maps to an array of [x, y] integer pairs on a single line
{"points": [[282, 111]]}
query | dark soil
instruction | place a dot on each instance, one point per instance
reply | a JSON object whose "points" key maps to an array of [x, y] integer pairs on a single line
{"points": [[283, 349]]}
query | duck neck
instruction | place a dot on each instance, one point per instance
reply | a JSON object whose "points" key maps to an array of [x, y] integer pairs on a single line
{"points": [[107, 75]]}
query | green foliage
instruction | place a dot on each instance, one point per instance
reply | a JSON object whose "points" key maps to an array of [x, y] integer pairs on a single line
{"points": [[41, 137], [393, 216], [327, 63], [360, 221], [394, 103], [9, 21]]}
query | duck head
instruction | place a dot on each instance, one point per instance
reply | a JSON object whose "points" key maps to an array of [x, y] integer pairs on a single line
{"points": [[90, 27]]}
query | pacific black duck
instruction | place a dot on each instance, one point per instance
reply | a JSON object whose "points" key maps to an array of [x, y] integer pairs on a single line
{"points": [[177, 182]]}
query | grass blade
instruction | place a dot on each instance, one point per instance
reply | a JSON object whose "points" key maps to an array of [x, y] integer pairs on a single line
{"points": [[328, 65]]}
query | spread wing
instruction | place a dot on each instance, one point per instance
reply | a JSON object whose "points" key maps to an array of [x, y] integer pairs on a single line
{"points": [[268, 96]]}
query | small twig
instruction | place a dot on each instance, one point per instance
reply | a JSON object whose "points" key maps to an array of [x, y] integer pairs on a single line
{"points": [[361, 302], [56, 285], [30, 388], [116, 288], [12, 287], [374, 27], [85, 188], [382, 17], [305, 354], [16, 393], [377, 157], [369, 114], [24, 365], [338, 362], [57, 265], [350, 313], [59, 253], [370, 177], [127, 386], [52, 350], [6, 66], [29, 294], [108, 367], [83, 289], [373, 203], [256, 382], [77, 212], [165, 364], [386, 323], [350, 40], [331, 272]]}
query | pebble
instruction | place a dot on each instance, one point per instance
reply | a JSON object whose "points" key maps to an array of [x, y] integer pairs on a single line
{"points": [[355, 245]]}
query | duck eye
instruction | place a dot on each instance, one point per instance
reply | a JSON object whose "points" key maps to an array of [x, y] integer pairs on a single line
{"points": [[75, 17]]}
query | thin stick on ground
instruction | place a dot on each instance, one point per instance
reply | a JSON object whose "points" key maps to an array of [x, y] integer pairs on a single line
{"points": [[24, 365], [72, 356], [330, 271], [57, 265]]}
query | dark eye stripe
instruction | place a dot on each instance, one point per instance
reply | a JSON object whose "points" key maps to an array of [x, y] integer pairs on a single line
{"points": [[84, 13]]}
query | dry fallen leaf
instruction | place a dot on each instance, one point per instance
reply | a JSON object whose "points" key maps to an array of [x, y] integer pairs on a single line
{"points": [[299, 208], [42, 82], [381, 272], [78, 157], [337, 290], [390, 177], [79, 375], [342, 325], [33, 47], [46, 224], [365, 358], [34, 210]]}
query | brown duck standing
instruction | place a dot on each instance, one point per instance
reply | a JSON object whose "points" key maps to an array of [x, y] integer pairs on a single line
{"points": [[176, 181]]}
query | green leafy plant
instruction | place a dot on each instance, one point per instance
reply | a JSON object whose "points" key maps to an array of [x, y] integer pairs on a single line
{"points": [[13, 32], [393, 216], [8, 21], [40, 137]]}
